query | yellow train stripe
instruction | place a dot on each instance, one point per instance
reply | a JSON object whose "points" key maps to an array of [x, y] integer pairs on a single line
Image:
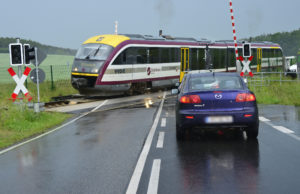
{"points": [[85, 74], [275, 47]]}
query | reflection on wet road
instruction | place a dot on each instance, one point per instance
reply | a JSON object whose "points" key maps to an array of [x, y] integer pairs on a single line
{"points": [[216, 166], [99, 152]]}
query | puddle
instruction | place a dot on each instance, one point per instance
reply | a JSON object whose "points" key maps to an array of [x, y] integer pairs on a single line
{"points": [[280, 112]]}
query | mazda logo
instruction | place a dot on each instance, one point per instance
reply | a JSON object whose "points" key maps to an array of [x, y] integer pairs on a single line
{"points": [[218, 96]]}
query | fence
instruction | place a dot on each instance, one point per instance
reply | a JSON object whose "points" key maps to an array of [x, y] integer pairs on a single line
{"points": [[57, 75], [266, 78], [57, 82]]}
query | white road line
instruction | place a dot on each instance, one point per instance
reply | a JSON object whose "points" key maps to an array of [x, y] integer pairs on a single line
{"points": [[99, 106], [283, 129], [280, 128], [154, 177], [137, 173], [47, 133], [163, 122], [263, 119], [160, 141]]}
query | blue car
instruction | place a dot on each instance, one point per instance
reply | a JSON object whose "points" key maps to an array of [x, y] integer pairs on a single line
{"points": [[215, 101]]}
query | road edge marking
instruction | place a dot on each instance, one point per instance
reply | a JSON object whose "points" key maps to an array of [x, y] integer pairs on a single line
{"points": [[154, 177], [263, 119], [137, 173], [283, 129], [51, 131]]}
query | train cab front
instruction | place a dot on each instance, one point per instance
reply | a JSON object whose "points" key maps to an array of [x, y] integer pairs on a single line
{"points": [[87, 65]]}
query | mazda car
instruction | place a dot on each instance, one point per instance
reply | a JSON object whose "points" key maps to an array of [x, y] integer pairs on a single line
{"points": [[215, 102]]}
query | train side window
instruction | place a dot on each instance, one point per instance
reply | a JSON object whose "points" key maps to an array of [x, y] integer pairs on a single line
{"points": [[175, 55], [154, 55], [131, 54], [121, 59], [141, 55], [231, 58], [219, 58], [165, 55], [197, 59], [254, 54]]}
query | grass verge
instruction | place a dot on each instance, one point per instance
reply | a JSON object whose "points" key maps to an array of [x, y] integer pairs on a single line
{"points": [[17, 124], [288, 93]]}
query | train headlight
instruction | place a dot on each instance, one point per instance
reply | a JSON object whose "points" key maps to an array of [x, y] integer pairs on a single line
{"points": [[75, 69], [95, 70]]}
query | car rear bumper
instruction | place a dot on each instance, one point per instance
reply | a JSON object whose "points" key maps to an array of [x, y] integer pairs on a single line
{"points": [[198, 119]]}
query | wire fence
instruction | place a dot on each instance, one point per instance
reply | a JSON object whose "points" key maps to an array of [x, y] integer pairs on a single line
{"points": [[263, 79], [56, 75]]}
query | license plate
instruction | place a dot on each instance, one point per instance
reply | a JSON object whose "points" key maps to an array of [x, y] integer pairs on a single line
{"points": [[219, 119]]}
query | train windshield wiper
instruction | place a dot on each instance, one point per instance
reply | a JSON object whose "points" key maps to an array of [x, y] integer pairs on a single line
{"points": [[93, 53]]}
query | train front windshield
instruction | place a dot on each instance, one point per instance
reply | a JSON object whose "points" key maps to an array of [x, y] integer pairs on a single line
{"points": [[94, 52], [91, 57]]}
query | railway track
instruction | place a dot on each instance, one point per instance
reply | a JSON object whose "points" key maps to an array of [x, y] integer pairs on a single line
{"points": [[70, 100]]}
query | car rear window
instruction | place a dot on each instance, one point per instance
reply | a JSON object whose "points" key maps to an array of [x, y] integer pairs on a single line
{"points": [[215, 83]]}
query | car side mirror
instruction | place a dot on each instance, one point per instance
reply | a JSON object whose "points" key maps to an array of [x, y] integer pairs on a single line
{"points": [[174, 91]]}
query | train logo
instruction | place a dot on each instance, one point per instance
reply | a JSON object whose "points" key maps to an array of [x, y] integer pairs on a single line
{"points": [[148, 71]]}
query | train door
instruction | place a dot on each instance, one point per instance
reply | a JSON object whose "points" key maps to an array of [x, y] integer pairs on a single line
{"points": [[259, 59], [185, 64]]}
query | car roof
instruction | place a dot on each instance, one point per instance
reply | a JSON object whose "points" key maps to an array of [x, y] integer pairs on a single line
{"points": [[209, 74]]}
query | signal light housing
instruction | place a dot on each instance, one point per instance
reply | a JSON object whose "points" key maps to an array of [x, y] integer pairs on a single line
{"points": [[245, 97], [16, 54], [190, 99], [28, 54], [246, 50]]}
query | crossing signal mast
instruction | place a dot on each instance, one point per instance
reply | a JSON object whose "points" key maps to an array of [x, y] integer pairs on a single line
{"points": [[246, 58]]}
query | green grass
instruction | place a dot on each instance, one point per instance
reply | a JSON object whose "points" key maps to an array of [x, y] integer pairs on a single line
{"points": [[286, 94], [50, 60], [61, 67], [61, 88], [17, 124]]}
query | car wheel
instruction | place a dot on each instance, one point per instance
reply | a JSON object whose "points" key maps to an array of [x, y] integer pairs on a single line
{"points": [[252, 131], [180, 133]]}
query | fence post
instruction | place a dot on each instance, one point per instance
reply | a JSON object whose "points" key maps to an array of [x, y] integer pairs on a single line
{"points": [[52, 83], [280, 78]]}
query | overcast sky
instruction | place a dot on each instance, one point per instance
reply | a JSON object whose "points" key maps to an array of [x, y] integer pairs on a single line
{"points": [[67, 23]]}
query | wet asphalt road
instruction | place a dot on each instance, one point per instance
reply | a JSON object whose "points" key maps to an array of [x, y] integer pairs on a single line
{"points": [[99, 152]]}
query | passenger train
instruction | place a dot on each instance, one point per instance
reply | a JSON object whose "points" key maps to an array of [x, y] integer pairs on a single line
{"points": [[117, 64]]}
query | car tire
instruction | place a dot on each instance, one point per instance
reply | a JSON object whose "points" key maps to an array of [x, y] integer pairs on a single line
{"points": [[180, 133], [252, 131]]}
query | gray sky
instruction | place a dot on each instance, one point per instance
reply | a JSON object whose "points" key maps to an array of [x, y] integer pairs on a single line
{"points": [[67, 23]]}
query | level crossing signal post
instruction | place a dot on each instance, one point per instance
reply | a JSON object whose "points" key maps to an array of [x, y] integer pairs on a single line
{"points": [[23, 55]]}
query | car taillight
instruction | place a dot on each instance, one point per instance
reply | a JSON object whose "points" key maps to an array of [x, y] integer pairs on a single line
{"points": [[245, 97], [190, 99]]}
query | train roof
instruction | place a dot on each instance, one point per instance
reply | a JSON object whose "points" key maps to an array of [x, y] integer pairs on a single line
{"points": [[115, 40]]}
